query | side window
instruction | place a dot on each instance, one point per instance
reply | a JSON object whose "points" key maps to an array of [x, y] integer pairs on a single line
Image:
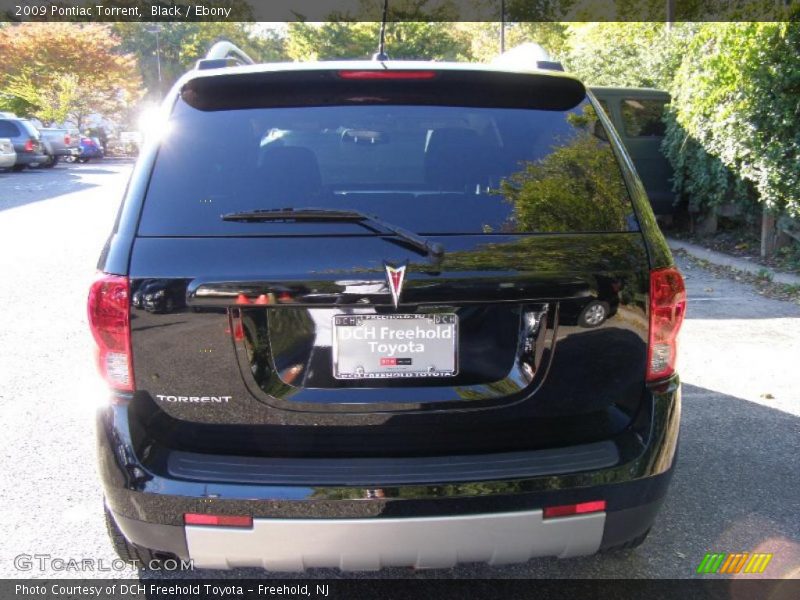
{"points": [[8, 129], [642, 118]]}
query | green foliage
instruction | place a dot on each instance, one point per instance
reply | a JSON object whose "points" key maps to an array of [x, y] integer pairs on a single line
{"points": [[181, 44], [53, 103], [415, 29], [701, 178], [626, 54], [551, 195], [404, 41], [736, 93], [75, 70], [734, 131]]}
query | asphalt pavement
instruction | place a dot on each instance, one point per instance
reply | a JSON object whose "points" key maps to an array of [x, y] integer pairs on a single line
{"points": [[736, 488]]}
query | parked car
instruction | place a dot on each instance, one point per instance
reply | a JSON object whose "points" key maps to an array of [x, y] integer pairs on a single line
{"points": [[159, 296], [375, 354], [637, 116], [64, 143], [90, 148], [26, 140], [8, 157]]}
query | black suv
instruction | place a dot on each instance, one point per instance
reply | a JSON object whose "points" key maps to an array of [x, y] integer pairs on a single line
{"points": [[349, 315]]}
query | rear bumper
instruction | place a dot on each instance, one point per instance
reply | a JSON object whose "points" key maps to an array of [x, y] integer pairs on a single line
{"points": [[66, 152], [370, 544], [423, 524], [30, 159]]}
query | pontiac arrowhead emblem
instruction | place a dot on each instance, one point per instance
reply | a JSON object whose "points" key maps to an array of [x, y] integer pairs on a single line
{"points": [[395, 277]]}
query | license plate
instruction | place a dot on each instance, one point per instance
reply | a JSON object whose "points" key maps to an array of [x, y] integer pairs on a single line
{"points": [[395, 346]]}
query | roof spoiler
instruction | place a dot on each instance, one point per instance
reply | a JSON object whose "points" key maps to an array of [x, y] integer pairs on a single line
{"points": [[224, 54]]}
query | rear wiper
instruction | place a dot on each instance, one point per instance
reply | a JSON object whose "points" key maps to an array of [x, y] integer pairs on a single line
{"points": [[320, 215]]}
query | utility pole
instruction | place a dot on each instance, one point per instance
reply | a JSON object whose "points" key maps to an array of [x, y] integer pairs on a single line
{"points": [[156, 29], [502, 26], [670, 13]]}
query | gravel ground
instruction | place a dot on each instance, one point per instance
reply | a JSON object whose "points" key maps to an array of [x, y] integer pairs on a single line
{"points": [[736, 488]]}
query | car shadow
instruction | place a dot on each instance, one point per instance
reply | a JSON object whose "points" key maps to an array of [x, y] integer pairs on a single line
{"points": [[94, 170], [35, 185], [735, 489]]}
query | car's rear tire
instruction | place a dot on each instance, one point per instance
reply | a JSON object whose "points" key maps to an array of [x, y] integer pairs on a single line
{"points": [[128, 552], [52, 161]]}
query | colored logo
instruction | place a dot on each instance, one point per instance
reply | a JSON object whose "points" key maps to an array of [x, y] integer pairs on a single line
{"points": [[742, 562], [395, 277]]}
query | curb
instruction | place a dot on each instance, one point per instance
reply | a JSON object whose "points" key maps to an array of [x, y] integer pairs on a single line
{"points": [[725, 260]]}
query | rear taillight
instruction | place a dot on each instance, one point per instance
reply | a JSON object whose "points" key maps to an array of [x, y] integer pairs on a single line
{"points": [[67, 140], [29, 145], [667, 308], [109, 320]]}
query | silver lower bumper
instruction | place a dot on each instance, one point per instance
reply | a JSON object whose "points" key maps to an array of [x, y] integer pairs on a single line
{"points": [[371, 544]]}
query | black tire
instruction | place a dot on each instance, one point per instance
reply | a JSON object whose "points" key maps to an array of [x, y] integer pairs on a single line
{"points": [[630, 544], [52, 161], [18, 168], [594, 314], [128, 552]]}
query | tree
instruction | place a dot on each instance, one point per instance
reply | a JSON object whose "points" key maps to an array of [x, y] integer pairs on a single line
{"points": [[55, 103], [736, 93], [577, 187], [181, 44], [485, 37], [415, 29], [626, 54], [64, 71], [404, 41]]}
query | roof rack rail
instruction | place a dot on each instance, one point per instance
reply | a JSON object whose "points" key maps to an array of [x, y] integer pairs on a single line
{"points": [[528, 54], [224, 54]]}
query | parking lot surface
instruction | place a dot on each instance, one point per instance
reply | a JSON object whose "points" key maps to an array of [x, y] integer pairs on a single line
{"points": [[736, 488]]}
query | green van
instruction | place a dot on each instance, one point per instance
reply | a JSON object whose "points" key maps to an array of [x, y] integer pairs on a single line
{"points": [[637, 116]]}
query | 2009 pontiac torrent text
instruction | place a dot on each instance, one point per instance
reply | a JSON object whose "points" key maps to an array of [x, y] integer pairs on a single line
{"points": [[372, 314]]}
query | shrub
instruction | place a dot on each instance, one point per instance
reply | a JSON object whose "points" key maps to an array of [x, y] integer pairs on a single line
{"points": [[736, 95]]}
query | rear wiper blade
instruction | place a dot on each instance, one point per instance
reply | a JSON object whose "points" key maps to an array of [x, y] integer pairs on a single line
{"points": [[434, 249]]}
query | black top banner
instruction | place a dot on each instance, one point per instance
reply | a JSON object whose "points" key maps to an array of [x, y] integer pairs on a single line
{"points": [[399, 10]]}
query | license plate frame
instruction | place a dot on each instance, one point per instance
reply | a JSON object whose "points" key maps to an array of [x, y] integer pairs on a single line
{"points": [[397, 356]]}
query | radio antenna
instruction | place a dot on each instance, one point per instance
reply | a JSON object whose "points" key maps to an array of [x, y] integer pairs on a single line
{"points": [[381, 53]]}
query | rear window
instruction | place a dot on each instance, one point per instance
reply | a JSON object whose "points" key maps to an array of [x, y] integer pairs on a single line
{"points": [[430, 169], [8, 129], [29, 128], [643, 118]]}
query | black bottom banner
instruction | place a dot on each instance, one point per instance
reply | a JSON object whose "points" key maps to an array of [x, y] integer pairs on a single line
{"points": [[387, 589]]}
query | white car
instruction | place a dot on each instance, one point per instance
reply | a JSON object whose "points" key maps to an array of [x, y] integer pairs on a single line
{"points": [[7, 154]]}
